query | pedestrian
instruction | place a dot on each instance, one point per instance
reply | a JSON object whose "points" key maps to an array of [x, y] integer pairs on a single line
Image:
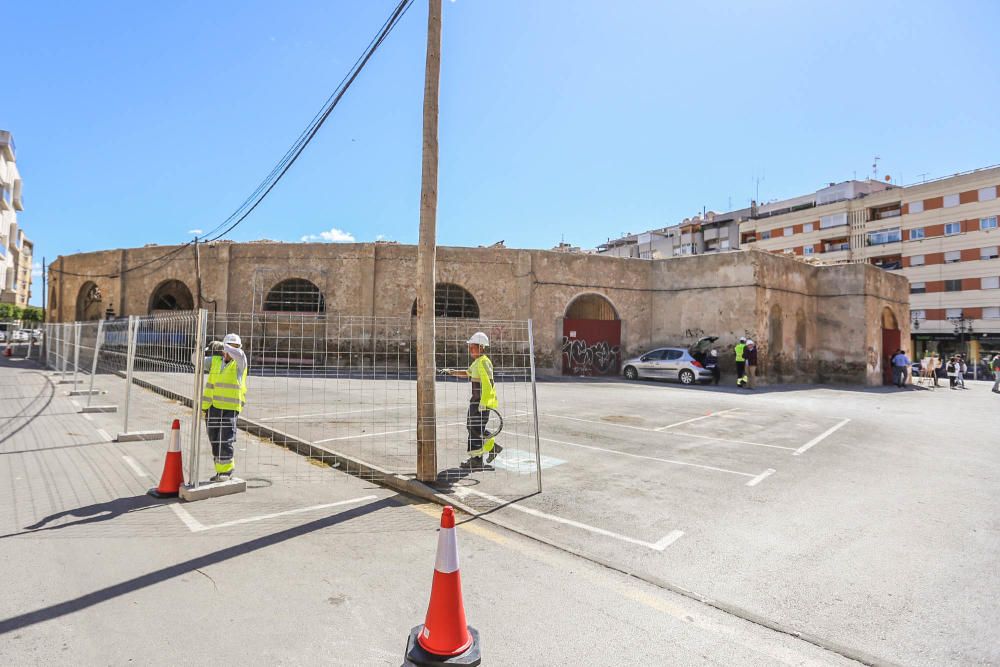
{"points": [[224, 397], [995, 366], [712, 364], [751, 355], [741, 365], [935, 366], [482, 400], [900, 365], [962, 368], [952, 369]]}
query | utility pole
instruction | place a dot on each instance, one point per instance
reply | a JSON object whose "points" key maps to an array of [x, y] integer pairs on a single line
{"points": [[426, 251]]}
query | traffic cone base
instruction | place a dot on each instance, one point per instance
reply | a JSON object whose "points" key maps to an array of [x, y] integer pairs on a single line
{"points": [[173, 468], [418, 655]]}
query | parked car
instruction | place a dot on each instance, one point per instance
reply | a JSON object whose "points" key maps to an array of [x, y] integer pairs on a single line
{"points": [[21, 336], [672, 363], [37, 334]]}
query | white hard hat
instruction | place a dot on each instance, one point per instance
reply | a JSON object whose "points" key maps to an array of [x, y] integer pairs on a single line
{"points": [[743, 340], [232, 339], [749, 342], [479, 338]]}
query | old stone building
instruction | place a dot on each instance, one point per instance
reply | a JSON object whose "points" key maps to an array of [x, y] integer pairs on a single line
{"points": [[589, 312]]}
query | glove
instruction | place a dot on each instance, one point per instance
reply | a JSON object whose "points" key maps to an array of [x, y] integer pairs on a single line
{"points": [[215, 348]]}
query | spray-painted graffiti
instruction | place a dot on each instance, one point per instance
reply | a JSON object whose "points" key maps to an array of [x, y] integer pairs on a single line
{"points": [[694, 333], [601, 358]]}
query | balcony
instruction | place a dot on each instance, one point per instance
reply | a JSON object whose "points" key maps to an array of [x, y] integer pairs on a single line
{"points": [[836, 245], [884, 212], [7, 145]]}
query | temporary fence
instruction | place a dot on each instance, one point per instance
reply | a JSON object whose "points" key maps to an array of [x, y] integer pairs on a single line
{"points": [[324, 391]]}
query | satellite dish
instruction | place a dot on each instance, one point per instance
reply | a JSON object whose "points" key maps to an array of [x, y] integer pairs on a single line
{"points": [[888, 178]]}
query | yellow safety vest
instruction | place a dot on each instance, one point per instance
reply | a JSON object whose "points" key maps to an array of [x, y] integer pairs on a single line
{"points": [[224, 390], [481, 368], [740, 349]]}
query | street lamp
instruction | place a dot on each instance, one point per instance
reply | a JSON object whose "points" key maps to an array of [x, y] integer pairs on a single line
{"points": [[963, 326]]}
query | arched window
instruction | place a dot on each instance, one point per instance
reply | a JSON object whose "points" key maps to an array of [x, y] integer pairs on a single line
{"points": [[295, 295], [591, 307], [171, 295], [452, 300], [89, 302]]}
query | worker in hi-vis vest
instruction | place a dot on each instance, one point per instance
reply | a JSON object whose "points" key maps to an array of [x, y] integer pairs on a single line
{"points": [[741, 362], [224, 397], [483, 399]]}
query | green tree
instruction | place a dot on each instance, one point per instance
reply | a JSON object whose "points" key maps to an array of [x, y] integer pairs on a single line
{"points": [[33, 314], [6, 311]]}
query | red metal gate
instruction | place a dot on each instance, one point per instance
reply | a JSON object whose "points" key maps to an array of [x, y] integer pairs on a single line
{"points": [[890, 343], [591, 347]]}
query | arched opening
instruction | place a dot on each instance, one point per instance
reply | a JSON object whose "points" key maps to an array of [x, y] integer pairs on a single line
{"points": [[171, 295], [295, 295], [89, 302], [592, 335], [890, 342], [452, 300], [591, 307], [53, 305]]}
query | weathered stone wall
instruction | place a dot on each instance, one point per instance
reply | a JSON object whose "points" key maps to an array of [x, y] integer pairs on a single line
{"points": [[811, 323]]}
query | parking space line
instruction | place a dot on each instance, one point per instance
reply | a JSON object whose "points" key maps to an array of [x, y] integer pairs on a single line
{"points": [[740, 442], [312, 508], [819, 438], [660, 545], [403, 430], [761, 477], [338, 414], [640, 456], [104, 434], [134, 465], [694, 419], [592, 421]]}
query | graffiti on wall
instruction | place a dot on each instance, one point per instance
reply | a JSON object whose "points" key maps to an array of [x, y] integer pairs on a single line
{"points": [[601, 358]]}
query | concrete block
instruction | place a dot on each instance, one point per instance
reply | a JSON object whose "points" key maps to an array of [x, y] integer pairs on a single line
{"points": [[134, 436], [99, 408], [213, 489], [67, 382], [86, 392]]}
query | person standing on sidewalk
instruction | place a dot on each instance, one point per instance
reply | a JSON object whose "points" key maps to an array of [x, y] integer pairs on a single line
{"points": [[224, 397], [751, 355], [995, 366], [900, 364], [482, 400], [741, 362], [712, 364]]}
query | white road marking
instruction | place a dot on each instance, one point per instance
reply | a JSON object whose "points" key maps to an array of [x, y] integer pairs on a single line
{"points": [[694, 419], [662, 544], [819, 438], [197, 527], [640, 456], [738, 442], [761, 477], [75, 403], [134, 465], [104, 434], [337, 414], [88, 417], [402, 430]]}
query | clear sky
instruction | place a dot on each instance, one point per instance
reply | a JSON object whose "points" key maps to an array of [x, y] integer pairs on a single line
{"points": [[136, 122]]}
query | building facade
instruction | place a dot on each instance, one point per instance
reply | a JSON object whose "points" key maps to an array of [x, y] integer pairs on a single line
{"points": [[942, 235], [589, 312], [713, 232], [15, 249]]}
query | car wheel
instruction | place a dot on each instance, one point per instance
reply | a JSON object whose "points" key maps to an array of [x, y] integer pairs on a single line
{"points": [[687, 377], [631, 373]]}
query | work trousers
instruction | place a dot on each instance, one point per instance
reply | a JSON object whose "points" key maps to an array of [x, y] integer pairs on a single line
{"points": [[899, 375], [751, 375], [475, 422], [222, 434], [741, 372]]}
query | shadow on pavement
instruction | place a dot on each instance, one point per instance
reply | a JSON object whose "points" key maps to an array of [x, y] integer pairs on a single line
{"points": [[164, 574], [94, 513], [51, 390], [732, 389]]}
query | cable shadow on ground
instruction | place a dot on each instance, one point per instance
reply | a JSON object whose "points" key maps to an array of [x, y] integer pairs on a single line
{"points": [[164, 574], [95, 513], [28, 419]]}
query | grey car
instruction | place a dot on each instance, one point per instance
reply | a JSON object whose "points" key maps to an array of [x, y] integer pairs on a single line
{"points": [[668, 363]]}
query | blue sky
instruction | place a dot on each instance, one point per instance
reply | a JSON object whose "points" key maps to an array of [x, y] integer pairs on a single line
{"points": [[583, 119]]}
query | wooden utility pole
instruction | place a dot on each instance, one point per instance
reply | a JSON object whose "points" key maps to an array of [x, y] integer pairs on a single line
{"points": [[426, 251]]}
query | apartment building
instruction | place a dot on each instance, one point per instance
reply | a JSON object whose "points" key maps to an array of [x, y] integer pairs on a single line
{"points": [[713, 232], [942, 235], [16, 251]]}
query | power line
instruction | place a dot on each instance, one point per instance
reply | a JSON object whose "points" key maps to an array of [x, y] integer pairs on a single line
{"points": [[291, 155]]}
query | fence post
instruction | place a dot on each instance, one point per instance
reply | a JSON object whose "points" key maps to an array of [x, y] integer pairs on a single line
{"points": [[198, 357], [97, 354], [65, 346], [133, 329], [534, 405], [76, 351]]}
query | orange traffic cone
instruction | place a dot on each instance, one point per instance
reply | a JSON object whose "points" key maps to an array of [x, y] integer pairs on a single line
{"points": [[8, 351], [173, 470], [444, 638]]}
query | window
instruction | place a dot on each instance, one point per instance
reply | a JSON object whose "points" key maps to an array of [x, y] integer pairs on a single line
{"points": [[992, 313], [953, 285], [808, 227], [917, 206], [455, 301], [833, 220], [991, 282], [953, 313], [918, 314], [988, 253], [988, 223], [884, 236], [789, 231], [916, 233], [952, 256], [950, 201], [724, 245], [952, 228], [765, 235], [987, 194], [655, 355], [672, 355], [295, 295], [808, 250], [918, 288]]}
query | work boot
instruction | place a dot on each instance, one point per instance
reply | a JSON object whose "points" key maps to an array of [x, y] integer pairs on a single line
{"points": [[473, 463], [495, 452], [221, 476]]}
